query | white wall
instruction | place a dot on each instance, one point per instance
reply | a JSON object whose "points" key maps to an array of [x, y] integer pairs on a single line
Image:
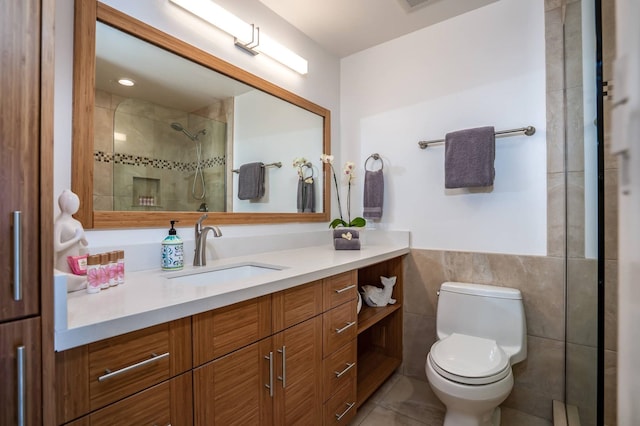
{"points": [[486, 67], [320, 85], [269, 130]]}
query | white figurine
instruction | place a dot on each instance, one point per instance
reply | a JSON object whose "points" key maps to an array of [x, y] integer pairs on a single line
{"points": [[378, 297], [68, 238]]}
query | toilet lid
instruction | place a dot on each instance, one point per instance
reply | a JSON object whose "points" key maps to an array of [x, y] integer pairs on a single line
{"points": [[469, 359]]}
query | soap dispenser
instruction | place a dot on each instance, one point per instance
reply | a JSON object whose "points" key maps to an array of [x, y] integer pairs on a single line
{"points": [[172, 251]]}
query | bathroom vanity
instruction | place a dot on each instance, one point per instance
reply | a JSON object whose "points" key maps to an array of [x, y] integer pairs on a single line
{"points": [[282, 347]]}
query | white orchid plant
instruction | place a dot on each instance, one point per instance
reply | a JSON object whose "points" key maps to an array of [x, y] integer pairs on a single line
{"points": [[299, 163], [347, 172]]}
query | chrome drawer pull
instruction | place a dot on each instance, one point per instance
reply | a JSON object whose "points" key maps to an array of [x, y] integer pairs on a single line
{"points": [[111, 374], [283, 378], [270, 385], [349, 407], [20, 361], [340, 373], [349, 324], [17, 256], [342, 290]]}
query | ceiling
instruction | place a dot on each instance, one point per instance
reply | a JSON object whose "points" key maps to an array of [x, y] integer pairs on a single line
{"points": [[344, 27]]}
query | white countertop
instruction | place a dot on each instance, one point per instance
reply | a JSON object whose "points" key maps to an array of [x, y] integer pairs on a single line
{"points": [[149, 297]]}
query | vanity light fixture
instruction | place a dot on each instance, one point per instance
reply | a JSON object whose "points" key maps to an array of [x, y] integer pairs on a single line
{"points": [[126, 82], [248, 37]]}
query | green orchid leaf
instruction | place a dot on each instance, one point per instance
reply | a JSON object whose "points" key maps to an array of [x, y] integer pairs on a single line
{"points": [[358, 222], [337, 222]]}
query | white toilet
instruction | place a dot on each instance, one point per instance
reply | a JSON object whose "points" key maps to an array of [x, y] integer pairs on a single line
{"points": [[482, 332]]}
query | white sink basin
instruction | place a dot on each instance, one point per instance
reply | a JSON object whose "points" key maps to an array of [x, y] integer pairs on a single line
{"points": [[222, 274]]}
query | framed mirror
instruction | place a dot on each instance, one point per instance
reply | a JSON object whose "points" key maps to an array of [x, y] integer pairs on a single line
{"points": [[180, 141]]}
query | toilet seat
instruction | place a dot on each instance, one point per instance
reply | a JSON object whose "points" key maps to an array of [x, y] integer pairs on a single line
{"points": [[469, 360]]}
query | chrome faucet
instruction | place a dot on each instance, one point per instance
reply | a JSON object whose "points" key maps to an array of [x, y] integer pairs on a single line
{"points": [[200, 257]]}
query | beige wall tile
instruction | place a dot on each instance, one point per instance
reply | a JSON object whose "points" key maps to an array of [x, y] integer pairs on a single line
{"points": [[419, 333], [555, 131], [539, 379], [555, 215], [610, 388], [581, 388], [611, 305], [575, 214], [611, 214], [424, 273], [582, 302], [554, 49]]}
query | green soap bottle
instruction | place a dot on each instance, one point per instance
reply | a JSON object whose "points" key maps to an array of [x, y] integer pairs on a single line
{"points": [[172, 251]]}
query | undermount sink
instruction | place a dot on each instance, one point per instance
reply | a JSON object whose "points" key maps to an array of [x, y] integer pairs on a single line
{"points": [[223, 274]]}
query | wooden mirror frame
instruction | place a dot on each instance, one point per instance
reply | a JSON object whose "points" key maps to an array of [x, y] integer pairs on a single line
{"points": [[84, 63]]}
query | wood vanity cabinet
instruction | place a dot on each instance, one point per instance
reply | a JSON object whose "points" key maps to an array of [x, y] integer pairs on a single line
{"points": [[298, 356], [379, 330], [91, 377], [26, 134], [274, 380]]}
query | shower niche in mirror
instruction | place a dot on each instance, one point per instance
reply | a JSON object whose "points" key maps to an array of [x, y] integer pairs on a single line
{"points": [[170, 145]]}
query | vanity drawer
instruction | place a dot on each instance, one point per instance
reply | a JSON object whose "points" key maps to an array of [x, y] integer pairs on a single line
{"points": [[339, 327], [341, 408], [134, 362], [223, 330], [123, 365], [339, 289], [295, 305], [339, 368]]}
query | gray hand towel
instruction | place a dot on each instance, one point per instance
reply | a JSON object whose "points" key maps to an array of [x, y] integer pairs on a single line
{"points": [[373, 194], [306, 201], [468, 158], [251, 181]]}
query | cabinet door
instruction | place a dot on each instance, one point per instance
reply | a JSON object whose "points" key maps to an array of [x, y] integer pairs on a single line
{"points": [[236, 389], [20, 383], [298, 374], [19, 161]]}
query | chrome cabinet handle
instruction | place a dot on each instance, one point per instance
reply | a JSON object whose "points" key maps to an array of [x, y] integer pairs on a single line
{"points": [[340, 373], [20, 367], [349, 407], [283, 378], [342, 290], [109, 374], [349, 324], [17, 256], [270, 385]]}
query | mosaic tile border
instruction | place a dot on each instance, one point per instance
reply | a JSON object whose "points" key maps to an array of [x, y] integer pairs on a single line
{"points": [[156, 163]]}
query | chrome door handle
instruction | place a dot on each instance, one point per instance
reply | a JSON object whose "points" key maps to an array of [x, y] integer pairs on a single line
{"points": [[17, 256], [20, 368], [340, 373], [349, 324], [109, 374], [349, 407], [270, 385], [342, 290], [283, 378]]}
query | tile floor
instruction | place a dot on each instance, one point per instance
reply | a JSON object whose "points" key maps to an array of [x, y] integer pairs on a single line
{"points": [[406, 401]]}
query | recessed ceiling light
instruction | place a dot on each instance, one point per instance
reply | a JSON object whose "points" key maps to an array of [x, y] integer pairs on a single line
{"points": [[126, 82]]}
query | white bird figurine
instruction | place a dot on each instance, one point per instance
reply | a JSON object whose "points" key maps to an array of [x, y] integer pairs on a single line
{"points": [[378, 297]]}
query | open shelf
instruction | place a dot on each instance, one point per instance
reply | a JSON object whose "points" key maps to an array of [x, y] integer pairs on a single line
{"points": [[373, 369], [369, 316]]}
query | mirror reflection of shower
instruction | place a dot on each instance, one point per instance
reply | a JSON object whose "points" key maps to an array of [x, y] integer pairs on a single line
{"points": [[198, 174]]}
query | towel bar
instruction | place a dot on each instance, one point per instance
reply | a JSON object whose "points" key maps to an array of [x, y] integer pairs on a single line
{"points": [[528, 131], [277, 164]]}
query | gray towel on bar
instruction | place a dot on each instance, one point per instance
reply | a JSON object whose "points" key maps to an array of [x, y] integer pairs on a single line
{"points": [[251, 181], [373, 194], [468, 158], [306, 200]]}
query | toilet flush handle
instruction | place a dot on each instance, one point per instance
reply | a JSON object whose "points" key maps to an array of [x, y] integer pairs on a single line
{"points": [[438, 293]]}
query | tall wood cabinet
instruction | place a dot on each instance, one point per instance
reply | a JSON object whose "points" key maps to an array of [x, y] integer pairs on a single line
{"points": [[26, 49]]}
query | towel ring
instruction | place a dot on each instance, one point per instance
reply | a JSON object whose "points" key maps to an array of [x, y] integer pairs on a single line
{"points": [[309, 166], [375, 157]]}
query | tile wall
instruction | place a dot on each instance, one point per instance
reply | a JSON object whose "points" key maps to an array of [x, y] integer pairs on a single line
{"points": [[155, 160]]}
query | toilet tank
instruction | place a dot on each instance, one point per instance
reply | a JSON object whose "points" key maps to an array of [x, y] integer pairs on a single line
{"points": [[487, 311]]}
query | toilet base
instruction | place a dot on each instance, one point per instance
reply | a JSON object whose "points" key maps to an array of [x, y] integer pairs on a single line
{"points": [[457, 418]]}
